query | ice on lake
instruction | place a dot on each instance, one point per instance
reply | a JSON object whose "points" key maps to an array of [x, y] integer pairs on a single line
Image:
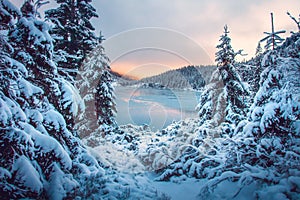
{"points": [[155, 107]]}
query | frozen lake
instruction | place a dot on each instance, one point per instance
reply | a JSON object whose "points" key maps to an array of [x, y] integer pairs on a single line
{"points": [[155, 107]]}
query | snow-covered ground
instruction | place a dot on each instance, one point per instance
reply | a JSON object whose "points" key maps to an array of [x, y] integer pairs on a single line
{"points": [[153, 151], [138, 165]]}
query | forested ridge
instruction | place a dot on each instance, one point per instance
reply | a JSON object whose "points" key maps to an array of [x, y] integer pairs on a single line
{"points": [[188, 77]]}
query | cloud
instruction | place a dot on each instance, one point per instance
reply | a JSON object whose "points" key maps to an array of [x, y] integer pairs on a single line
{"points": [[202, 21], [145, 46]]}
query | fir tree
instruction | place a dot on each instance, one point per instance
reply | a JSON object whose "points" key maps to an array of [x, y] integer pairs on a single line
{"points": [[95, 88], [271, 133], [33, 45], [224, 98], [105, 101], [39, 157], [226, 54], [258, 51], [73, 34], [234, 90], [222, 105]]}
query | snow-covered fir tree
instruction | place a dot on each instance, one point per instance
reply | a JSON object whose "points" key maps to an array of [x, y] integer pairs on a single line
{"points": [[234, 90], [105, 101], [34, 47], [265, 146], [73, 34], [222, 105], [40, 157], [95, 85], [253, 151], [223, 100]]}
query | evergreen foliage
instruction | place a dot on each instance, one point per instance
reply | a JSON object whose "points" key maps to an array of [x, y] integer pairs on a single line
{"points": [[234, 90], [226, 54], [259, 50], [41, 157], [95, 88], [73, 34], [188, 77], [224, 99], [262, 152], [183, 78], [105, 103]]}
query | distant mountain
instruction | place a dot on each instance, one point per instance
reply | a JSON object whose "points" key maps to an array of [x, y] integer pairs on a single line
{"points": [[189, 77], [116, 76]]}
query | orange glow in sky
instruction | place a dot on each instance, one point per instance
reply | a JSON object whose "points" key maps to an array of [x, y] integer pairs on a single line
{"points": [[144, 38], [187, 32]]}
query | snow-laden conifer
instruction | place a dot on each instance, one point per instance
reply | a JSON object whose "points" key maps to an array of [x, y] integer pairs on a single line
{"points": [[73, 34]]}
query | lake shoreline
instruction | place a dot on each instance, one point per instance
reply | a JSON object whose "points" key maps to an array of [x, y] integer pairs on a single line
{"points": [[155, 107]]}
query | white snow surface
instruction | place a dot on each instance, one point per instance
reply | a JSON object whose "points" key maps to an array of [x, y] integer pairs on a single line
{"points": [[71, 97], [155, 151], [27, 174]]}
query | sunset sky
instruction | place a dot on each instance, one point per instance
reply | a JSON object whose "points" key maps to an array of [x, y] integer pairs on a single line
{"points": [[151, 36]]}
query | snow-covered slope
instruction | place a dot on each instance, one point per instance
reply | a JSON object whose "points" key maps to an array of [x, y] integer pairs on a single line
{"points": [[190, 77]]}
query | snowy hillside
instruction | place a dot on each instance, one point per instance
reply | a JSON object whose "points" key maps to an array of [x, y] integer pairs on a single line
{"points": [[190, 77]]}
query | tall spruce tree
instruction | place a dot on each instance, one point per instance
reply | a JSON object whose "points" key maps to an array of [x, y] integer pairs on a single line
{"points": [[94, 82], [73, 34], [221, 107], [224, 99], [105, 100], [234, 90]]}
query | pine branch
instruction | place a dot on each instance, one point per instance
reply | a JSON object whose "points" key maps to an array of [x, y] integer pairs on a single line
{"points": [[37, 5], [295, 20]]}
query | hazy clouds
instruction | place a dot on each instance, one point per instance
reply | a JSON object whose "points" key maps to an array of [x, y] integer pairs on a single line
{"points": [[201, 21]]}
